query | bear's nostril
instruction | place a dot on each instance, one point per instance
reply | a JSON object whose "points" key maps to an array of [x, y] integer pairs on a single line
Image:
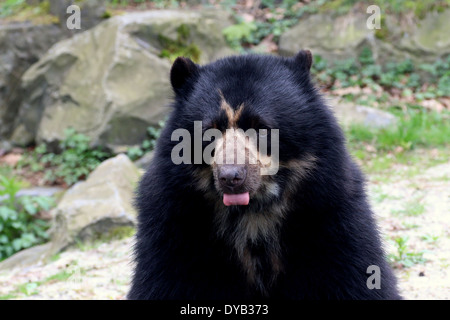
{"points": [[232, 176], [236, 180]]}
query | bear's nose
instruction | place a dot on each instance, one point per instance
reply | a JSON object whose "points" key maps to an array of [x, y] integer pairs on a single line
{"points": [[232, 176]]}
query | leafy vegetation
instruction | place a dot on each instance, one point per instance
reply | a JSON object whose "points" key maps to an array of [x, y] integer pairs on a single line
{"points": [[425, 81], [75, 161], [148, 144], [179, 47], [404, 257], [31, 288], [19, 229], [416, 128], [20, 10], [275, 17]]}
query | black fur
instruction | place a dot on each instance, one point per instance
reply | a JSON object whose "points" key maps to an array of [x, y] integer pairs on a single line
{"points": [[328, 237]]}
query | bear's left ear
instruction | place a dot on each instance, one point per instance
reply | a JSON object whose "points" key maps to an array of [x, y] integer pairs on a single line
{"points": [[303, 60], [182, 75]]}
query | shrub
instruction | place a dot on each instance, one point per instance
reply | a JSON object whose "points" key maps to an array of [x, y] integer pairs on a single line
{"points": [[19, 229], [75, 161]]}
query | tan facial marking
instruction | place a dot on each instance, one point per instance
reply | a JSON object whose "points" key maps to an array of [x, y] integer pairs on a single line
{"points": [[232, 115]]}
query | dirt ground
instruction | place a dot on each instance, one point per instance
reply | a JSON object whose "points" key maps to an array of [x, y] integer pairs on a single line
{"points": [[414, 208]]}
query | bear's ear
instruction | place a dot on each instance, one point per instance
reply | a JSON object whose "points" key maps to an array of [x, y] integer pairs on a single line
{"points": [[182, 74], [303, 60]]}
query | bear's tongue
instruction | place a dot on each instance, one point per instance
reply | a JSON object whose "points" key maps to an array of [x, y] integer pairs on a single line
{"points": [[241, 199]]}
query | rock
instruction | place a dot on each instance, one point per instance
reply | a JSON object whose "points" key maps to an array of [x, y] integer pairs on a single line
{"points": [[21, 45], [109, 82], [332, 37], [5, 147], [349, 113], [40, 192], [97, 205], [27, 257], [342, 37], [24, 43]]}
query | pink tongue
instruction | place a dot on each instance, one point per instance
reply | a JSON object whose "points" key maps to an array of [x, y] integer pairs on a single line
{"points": [[241, 199]]}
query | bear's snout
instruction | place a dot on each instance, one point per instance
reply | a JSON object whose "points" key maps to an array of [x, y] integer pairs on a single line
{"points": [[231, 177]]}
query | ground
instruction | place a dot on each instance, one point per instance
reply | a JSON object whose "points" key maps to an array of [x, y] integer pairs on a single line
{"points": [[412, 205]]}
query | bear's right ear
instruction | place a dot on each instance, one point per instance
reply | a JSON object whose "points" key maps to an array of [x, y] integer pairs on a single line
{"points": [[182, 75], [303, 60]]}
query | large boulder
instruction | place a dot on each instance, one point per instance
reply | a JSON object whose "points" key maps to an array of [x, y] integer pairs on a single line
{"points": [[21, 45], [332, 37], [348, 113], [110, 82], [342, 37], [97, 205]]}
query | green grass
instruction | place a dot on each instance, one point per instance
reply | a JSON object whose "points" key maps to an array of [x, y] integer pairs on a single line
{"points": [[411, 208], [380, 197], [20, 10], [408, 225], [60, 276], [31, 288], [404, 256], [429, 238], [415, 128], [421, 139], [8, 296], [117, 233]]}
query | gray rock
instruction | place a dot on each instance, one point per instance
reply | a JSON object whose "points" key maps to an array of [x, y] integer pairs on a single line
{"points": [[37, 192], [109, 82], [21, 45], [24, 43], [349, 113], [89, 208], [326, 35], [40, 191], [342, 37], [27, 257], [96, 205]]}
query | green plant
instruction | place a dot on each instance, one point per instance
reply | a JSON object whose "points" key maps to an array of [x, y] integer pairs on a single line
{"points": [[414, 128], [411, 208], [423, 81], [75, 161], [240, 33], [429, 238], [148, 144], [19, 229], [181, 47], [403, 256], [282, 15], [10, 7]]}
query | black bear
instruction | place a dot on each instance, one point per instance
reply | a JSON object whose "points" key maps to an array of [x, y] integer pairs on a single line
{"points": [[252, 194]]}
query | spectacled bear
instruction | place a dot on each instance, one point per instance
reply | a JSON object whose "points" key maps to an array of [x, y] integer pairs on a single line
{"points": [[221, 229]]}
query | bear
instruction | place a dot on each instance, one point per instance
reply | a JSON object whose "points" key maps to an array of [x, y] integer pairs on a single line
{"points": [[252, 194]]}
